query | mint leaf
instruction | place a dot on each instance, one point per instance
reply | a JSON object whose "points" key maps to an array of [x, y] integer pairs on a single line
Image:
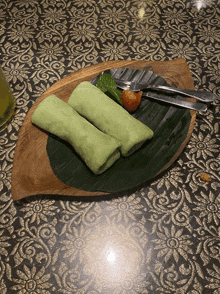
{"points": [[106, 83]]}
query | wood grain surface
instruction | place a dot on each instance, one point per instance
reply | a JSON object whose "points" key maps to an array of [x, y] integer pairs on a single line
{"points": [[32, 174]]}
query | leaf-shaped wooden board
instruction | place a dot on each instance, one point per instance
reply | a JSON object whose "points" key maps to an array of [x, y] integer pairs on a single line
{"points": [[32, 173]]}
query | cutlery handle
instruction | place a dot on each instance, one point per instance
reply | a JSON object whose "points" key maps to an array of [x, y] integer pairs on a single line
{"points": [[177, 101], [200, 95]]}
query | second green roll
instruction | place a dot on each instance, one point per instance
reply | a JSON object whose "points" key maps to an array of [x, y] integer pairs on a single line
{"points": [[109, 117]]}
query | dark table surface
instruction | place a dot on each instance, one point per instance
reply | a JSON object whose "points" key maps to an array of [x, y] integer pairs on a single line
{"points": [[164, 238]]}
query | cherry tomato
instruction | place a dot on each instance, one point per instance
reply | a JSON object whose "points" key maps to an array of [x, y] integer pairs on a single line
{"points": [[131, 100]]}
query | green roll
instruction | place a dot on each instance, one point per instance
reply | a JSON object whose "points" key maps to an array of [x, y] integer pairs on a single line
{"points": [[109, 117], [98, 150]]}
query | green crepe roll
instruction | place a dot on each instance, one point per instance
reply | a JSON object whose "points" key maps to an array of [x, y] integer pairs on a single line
{"points": [[109, 117], [98, 150]]}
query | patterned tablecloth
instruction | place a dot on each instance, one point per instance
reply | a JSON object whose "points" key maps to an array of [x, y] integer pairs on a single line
{"points": [[164, 238]]}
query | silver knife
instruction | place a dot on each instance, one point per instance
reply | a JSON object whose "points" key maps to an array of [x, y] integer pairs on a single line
{"points": [[177, 101]]}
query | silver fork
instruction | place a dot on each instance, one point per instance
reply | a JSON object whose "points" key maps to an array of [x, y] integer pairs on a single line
{"points": [[200, 95], [134, 86]]}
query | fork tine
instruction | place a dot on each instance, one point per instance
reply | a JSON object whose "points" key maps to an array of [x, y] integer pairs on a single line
{"points": [[123, 82], [127, 85]]}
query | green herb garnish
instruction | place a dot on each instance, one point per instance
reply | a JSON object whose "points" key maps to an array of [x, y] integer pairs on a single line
{"points": [[106, 83]]}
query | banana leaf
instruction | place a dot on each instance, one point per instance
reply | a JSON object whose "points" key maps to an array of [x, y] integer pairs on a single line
{"points": [[169, 123]]}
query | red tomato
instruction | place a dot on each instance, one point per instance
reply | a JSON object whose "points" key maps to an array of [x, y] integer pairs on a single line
{"points": [[131, 100]]}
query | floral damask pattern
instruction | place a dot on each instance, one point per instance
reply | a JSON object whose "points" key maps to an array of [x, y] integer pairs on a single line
{"points": [[163, 238]]}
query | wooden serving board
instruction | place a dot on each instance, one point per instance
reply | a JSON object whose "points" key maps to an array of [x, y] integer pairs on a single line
{"points": [[32, 174]]}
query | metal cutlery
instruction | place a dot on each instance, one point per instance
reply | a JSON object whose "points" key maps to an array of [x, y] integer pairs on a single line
{"points": [[199, 95], [134, 86]]}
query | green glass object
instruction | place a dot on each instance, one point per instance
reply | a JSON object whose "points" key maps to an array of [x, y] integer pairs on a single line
{"points": [[7, 101]]}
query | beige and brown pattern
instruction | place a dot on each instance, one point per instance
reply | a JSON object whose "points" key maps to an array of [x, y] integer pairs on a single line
{"points": [[163, 238]]}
